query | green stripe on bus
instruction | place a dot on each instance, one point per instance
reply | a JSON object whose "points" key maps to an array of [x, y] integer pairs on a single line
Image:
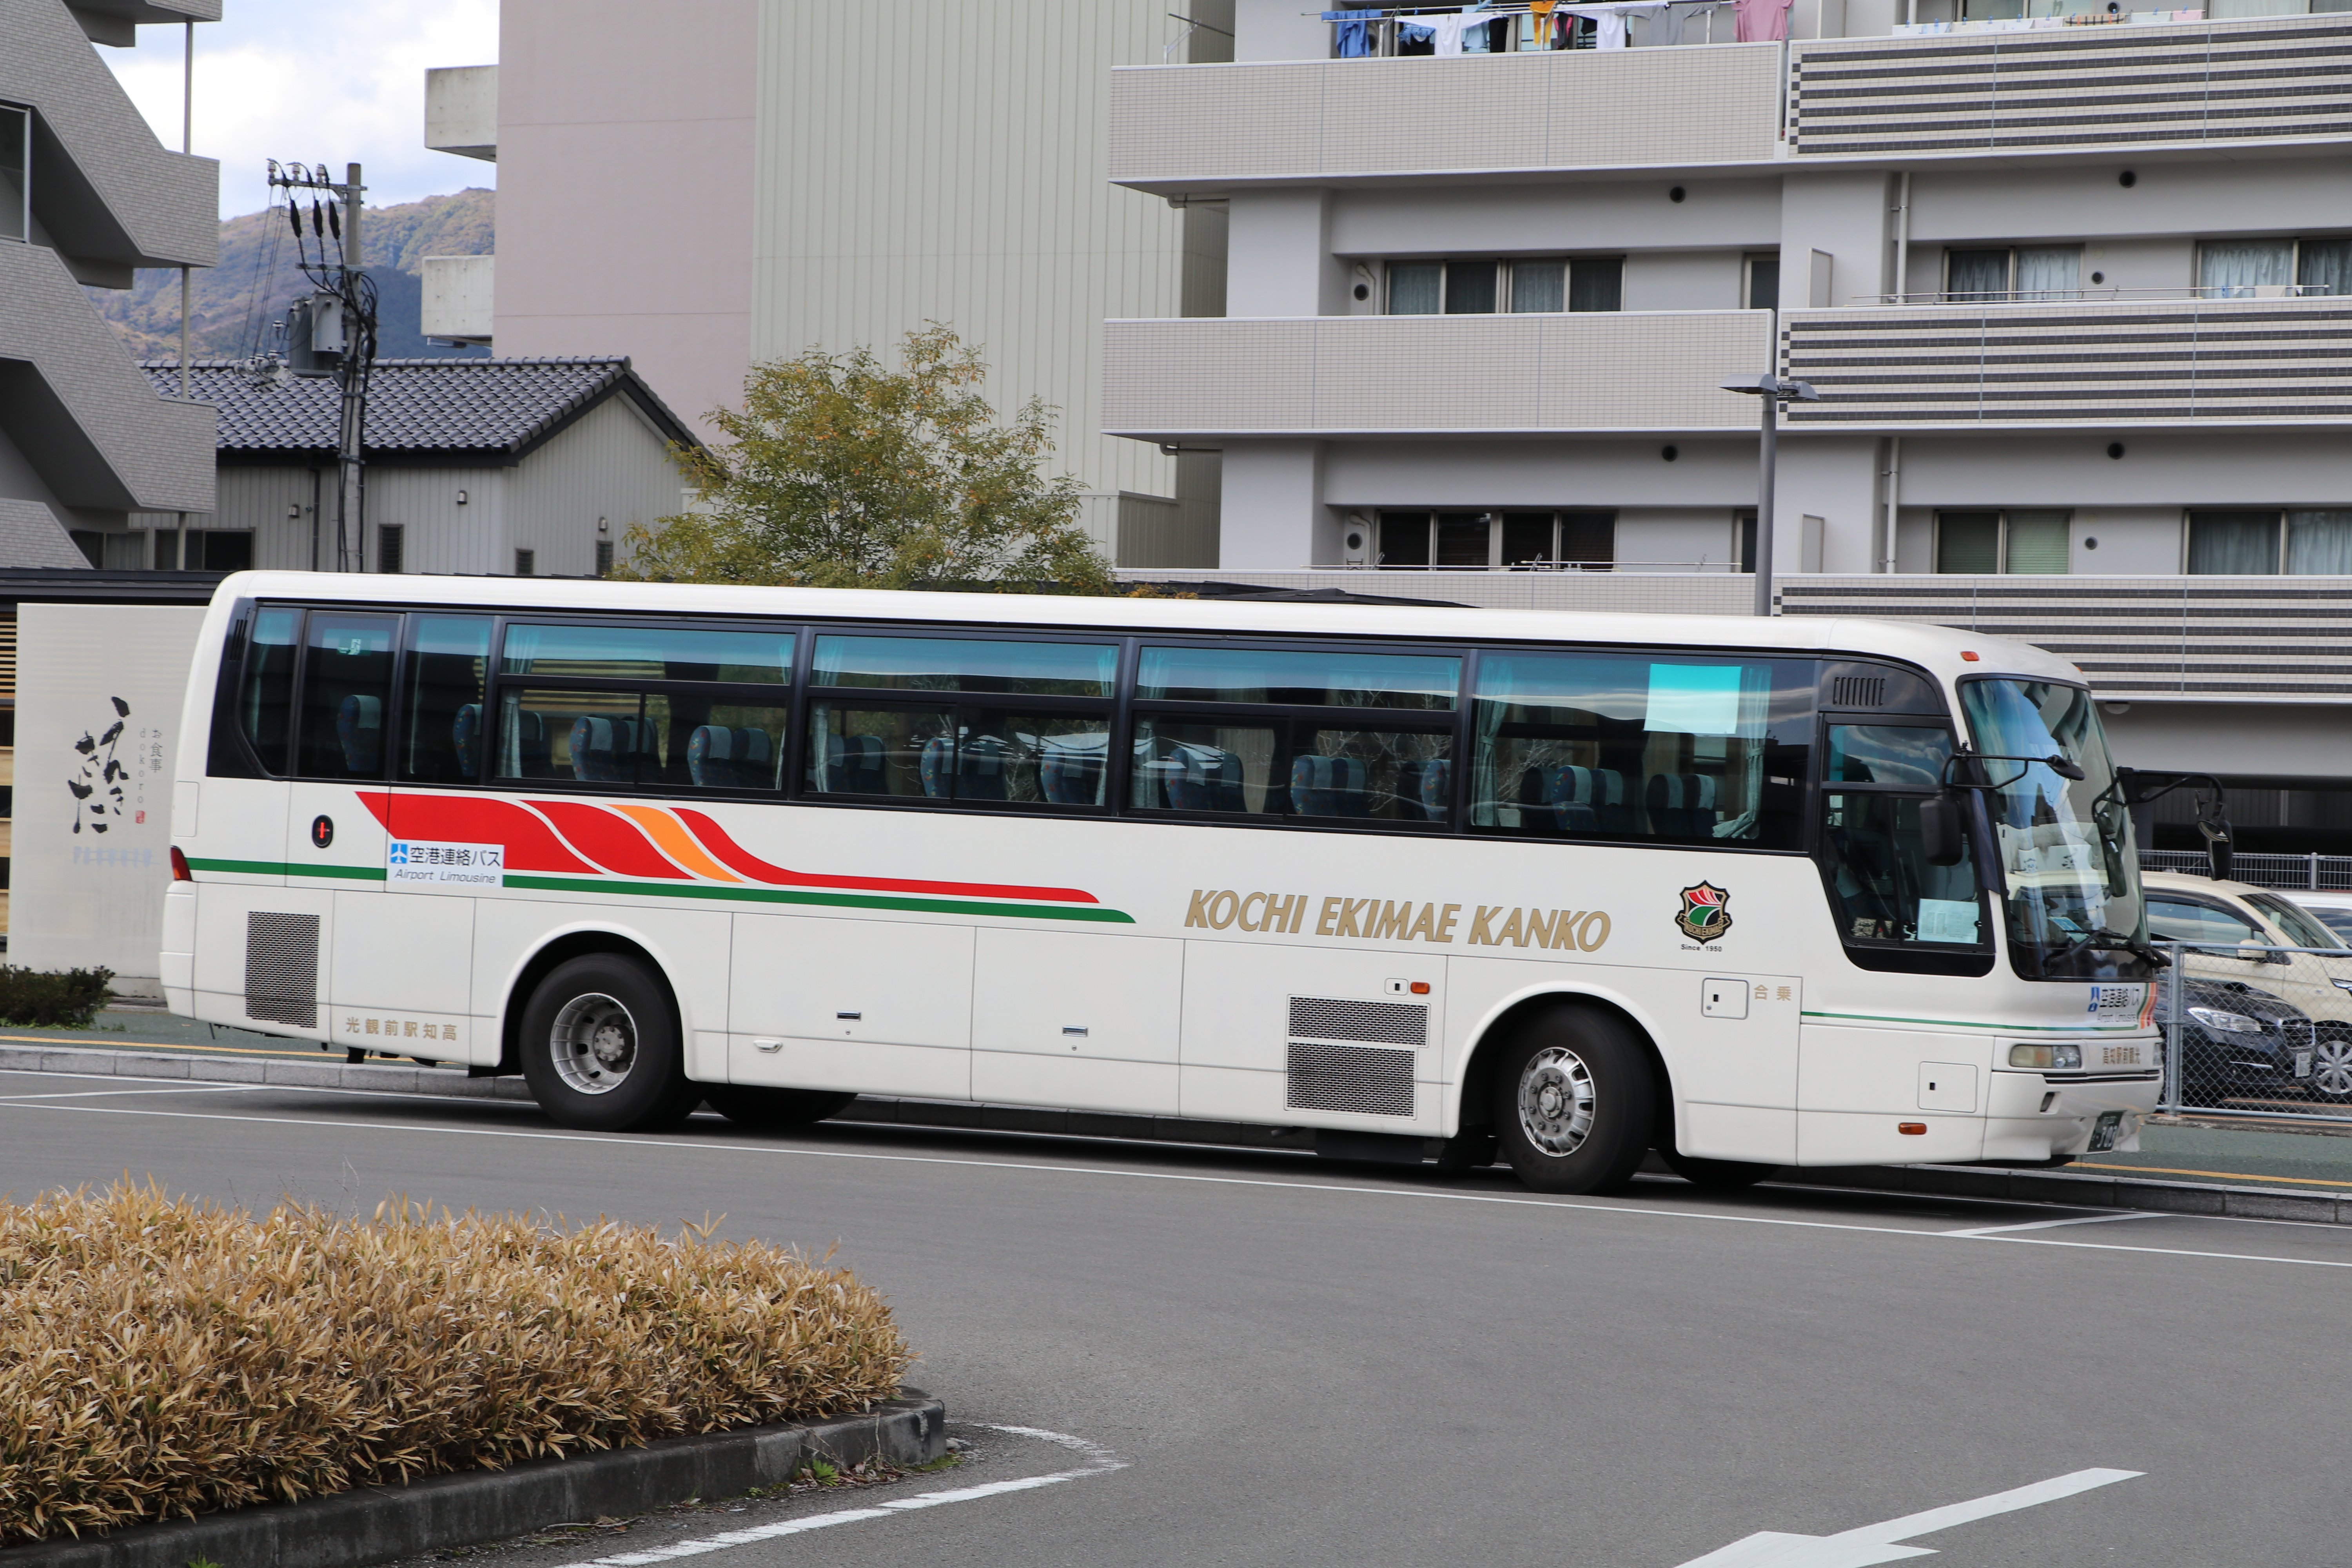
{"points": [[287, 869], [832, 901], [1997, 1028]]}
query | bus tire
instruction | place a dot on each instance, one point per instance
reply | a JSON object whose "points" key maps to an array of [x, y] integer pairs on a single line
{"points": [[1719, 1174], [1574, 1096], [756, 1105], [601, 1049]]}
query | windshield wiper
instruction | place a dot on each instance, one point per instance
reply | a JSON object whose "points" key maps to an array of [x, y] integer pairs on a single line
{"points": [[2102, 940]]}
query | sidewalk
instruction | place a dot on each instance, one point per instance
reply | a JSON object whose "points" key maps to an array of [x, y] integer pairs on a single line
{"points": [[2203, 1151]]}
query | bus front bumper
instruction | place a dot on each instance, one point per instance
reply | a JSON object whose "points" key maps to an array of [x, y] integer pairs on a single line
{"points": [[2032, 1116]]}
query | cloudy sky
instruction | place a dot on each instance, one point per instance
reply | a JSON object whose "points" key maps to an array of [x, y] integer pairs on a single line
{"points": [[321, 83]]}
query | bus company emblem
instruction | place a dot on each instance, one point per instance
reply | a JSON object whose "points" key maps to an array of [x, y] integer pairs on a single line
{"points": [[1707, 912]]}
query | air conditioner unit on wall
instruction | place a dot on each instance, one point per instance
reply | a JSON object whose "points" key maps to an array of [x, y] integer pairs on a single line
{"points": [[1356, 540]]}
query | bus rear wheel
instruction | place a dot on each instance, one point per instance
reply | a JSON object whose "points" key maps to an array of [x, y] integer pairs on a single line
{"points": [[600, 1047], [1573, 1101], [756, 1105]]}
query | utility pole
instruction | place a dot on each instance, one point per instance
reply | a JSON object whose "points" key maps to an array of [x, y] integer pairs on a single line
{"points": [[187, 145], [337, 324]]}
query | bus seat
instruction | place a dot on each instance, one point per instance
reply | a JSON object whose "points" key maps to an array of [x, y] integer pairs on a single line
{"points": [[937, 763], [465, 738], [1681, 805], [1204, 778], [1587, 800], [981, 771], [604, 751], [1070, 778], [851, 765], [1433, 789], [1326, 786], [754, 759], [359, 726]]}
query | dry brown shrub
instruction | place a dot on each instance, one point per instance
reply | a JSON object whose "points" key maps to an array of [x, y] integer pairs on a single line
{"points": [[162, 1358]]}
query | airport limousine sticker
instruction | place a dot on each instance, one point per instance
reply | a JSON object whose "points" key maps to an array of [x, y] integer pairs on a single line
{"points": [[415, 862]]}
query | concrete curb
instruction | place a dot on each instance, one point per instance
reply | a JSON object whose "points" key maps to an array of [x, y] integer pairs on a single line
{"points": [[383, 1524], [2079, 1189]]}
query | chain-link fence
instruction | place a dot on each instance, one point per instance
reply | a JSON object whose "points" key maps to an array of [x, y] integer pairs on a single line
{"points": [[2313, 873], [2257, 1031]]}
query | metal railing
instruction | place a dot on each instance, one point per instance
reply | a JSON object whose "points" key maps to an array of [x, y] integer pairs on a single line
{"points": [[2313, 873], [2258, 1032]]}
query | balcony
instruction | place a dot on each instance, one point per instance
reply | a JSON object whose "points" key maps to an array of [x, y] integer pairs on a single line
{"points": [[2259, 639], [1175, 129], [1403, 376], [461, 111], [457, 296], [2100, 364], [2055, 88]]}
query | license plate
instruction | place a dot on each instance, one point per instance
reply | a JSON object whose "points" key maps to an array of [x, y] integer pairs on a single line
{"points": [[2302, 1063], [2105, 1133]]}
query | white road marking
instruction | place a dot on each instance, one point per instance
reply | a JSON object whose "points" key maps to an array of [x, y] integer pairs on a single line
{"points": [[1875, 1544], [97, 1093], [1100, 1462], [1998, 1230], [1406, 1194]]}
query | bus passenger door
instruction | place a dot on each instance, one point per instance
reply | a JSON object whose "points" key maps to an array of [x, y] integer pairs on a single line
{"points": [[873, 1007], [1312, 1037], [1077, 1019]]}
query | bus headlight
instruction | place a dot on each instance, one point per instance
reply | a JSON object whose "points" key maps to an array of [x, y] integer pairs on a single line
{"points": [[2046, 1056], [2226, 1023]]}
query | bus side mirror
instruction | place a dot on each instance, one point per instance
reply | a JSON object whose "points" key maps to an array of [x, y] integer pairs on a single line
{"points": [[1940, 830]]}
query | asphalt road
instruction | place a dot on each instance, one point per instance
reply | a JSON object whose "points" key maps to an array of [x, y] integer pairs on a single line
{"points": [[1297, 1363]]}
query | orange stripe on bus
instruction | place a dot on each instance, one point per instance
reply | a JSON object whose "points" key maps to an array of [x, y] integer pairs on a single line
{"points": [[672, 839]]}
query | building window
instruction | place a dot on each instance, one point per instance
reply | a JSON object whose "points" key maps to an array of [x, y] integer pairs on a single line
{"points": [[15, 173], [2269, 269], [526, 563], [1989, 544], [603, 558], [1486, 285], [1763, 289], [1485, 541], [391, 547], [92, 544], [167, 551], [2265, 543], [2027, 273], [126, 551], [224, 552]]}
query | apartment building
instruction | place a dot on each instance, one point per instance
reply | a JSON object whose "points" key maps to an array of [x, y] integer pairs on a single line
{"points": [[709, 184], [2075, 287], [87, 193]]}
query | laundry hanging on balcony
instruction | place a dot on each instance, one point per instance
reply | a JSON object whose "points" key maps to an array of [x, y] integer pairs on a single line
{"points": [[1609, 21], [1761, 21]]}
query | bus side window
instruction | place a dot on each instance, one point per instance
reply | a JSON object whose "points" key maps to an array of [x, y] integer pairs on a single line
{"points": [[346, 695], [445, 728], [265, 699]]}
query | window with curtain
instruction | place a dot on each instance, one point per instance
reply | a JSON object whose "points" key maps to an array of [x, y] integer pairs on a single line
{"points": [[2319, 543], [1969, 542], [1596, 283], [1539, 287], [2325, 266], [2049, 272], [2234, 268], [2233, 543], [1414, 287], [1976, 274], [1470, 287], [2037, 542]]}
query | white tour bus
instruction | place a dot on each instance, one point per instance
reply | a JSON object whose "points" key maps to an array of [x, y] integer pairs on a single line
{"points": [[1577, 886]]}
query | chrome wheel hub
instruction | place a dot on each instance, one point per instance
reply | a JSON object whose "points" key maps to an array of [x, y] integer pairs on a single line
{"points": [[593, 1043], [1556, 1098], [2331, 1068]]}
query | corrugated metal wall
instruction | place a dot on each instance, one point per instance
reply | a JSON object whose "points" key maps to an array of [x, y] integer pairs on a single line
{"points": [[609, 464], [951, 165]]}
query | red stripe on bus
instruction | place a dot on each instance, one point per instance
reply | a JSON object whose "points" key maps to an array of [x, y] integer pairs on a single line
{"points": [[610, 839], [476, 819], [737, 859]]}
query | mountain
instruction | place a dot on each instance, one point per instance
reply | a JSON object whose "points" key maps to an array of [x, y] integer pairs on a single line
{"points": [[232, 305]]}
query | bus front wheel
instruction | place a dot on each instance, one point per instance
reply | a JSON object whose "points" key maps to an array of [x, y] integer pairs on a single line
{"points": [[600, 1047], [1573, 1101], [756, 1105]]}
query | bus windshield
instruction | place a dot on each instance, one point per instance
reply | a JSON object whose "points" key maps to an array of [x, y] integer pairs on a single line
{"points": [[2064, 844]]}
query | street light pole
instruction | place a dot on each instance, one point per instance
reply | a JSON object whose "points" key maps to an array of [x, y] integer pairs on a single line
{"points": [[1771, 392]]}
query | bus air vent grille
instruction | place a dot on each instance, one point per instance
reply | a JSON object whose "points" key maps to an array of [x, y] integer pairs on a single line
{"points": [[1858, 691], [1382, 1023], [1365, 1080], [281, 968]]}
